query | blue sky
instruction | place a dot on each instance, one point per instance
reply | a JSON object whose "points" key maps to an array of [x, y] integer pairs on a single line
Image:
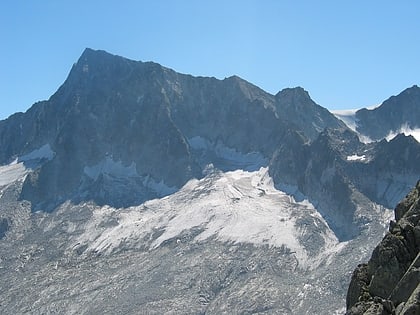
{"points": [[347, 54]]}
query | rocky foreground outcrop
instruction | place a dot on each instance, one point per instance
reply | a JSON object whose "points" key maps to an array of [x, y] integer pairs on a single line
{"points": [[390, 282]]}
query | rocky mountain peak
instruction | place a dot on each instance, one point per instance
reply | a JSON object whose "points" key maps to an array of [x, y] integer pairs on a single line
{"points": [[296, 95], [390, 282], [297, 106]]}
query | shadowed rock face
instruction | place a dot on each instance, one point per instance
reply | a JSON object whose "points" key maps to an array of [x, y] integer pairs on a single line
{"points": [[390, 282]]}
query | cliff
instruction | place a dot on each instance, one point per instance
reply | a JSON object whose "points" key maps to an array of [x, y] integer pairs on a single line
{"points": [[390, 282]]}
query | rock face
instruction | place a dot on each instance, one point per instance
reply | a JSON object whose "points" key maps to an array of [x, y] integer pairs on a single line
{"points": [[390, 282]]}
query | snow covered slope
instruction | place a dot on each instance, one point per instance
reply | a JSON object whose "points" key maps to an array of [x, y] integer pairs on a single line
{"points": [[237, 207]]}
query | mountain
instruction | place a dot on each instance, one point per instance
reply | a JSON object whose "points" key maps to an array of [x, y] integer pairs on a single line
{"points": [[398, 114], [135, 188], [390, 282]]}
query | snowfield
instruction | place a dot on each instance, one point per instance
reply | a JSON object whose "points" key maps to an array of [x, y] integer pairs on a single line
{"points": [[237, 207]]}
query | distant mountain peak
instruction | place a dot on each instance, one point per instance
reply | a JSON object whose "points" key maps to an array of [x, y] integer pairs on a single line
{"points": [[293, 93]]}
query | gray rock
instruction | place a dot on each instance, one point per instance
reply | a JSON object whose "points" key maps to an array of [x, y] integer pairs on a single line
{"points": [[392, 273], [412, 306]]}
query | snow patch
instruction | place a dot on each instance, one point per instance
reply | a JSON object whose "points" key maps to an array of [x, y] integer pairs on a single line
{"points": [[406, 130], [117, 170], [227, 158], [11, 173], [356, 157], [112, 168], [160, 188], [19, 168]]}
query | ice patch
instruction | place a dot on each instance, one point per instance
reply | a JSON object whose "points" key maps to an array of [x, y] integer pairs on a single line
{"points": [[44, 152]]}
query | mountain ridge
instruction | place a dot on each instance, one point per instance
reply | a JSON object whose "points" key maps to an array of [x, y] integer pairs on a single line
{"points": [[135, 187]]}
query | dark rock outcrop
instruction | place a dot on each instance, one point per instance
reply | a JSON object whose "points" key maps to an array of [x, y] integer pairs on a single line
{"points": [[390, 282]]}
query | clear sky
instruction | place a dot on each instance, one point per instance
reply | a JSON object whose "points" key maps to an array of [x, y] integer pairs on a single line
{"points": [[347, 54]]}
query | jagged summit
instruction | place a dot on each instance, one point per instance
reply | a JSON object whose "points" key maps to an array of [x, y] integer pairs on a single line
{"points": [[293, 93]]}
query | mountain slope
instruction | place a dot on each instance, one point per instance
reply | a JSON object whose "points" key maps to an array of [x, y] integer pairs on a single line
{"points": [[136, 188]]}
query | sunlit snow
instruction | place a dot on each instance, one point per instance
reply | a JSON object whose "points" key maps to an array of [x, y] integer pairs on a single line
{"points": [[415, 132], [12, 172], [348, 116], [237, 206], [17, 169], [356, 157]]}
